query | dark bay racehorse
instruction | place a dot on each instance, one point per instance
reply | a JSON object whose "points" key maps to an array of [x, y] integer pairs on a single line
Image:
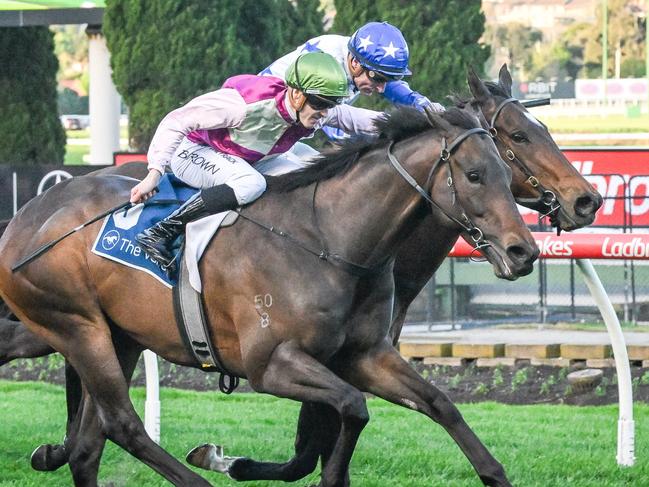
{"points": [[327, 338], [542, 179], [538, 167], [537, 153]]}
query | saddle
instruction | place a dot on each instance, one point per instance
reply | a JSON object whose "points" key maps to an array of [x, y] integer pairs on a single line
{"points": [[116, 242]]}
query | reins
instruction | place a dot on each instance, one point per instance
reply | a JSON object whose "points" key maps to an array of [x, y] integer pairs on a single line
{"points": [[322, 254]]}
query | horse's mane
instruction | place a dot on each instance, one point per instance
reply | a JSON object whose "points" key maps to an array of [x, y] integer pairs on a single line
{"points": [[396, 125]]}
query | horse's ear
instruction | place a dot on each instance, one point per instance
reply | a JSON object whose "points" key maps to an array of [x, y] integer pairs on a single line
{"points": [[505, 79], [477, 87]]}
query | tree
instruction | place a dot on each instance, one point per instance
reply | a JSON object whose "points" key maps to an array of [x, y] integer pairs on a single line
{"points": [[301, 20], [71, 49], [443, 37], [260, 28], [518, 43], [351, 14], [165, 52], [30, 126], [70, 103], [573, 41], [549, 63], [626, 33]]}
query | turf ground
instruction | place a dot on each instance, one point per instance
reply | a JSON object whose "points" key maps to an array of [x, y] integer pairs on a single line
{"points": [[596, 124], [539, 446]]}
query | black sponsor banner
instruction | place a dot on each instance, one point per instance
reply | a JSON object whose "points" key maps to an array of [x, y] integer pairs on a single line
{"points": [[542, 89], [19, 184]]}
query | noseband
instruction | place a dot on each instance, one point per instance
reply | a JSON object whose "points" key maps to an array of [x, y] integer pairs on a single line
{"points": [[445, 155], [546, 196]]}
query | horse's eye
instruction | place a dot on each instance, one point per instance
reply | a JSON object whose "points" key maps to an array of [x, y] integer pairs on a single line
{"points": [[519, 137], [473, 176]]}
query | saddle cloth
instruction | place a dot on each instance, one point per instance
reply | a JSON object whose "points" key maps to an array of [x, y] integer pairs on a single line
{"points": [[116, 239]]}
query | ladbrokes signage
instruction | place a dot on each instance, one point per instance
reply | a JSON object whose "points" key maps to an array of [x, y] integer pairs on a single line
{"points": [[581, 246]]}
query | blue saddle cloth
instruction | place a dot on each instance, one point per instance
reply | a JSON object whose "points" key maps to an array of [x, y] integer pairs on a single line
{"points": [[116, 239]]}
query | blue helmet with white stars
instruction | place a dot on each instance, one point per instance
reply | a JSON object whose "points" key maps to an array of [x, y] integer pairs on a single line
{"points": [[380, 47]]}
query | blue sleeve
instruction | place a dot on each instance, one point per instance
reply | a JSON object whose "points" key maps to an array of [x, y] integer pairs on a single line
{"points": [[334, 133], [399, 93]]}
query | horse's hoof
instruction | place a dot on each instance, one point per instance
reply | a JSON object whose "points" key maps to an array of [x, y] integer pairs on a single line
{"points": [[47, 458], [210, 457]]}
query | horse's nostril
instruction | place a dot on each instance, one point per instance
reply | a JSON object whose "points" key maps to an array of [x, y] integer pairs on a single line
{"points": [[587, 205], [518, 254]]}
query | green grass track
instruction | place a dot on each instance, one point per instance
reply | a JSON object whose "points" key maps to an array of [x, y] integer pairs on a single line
{"points": [[541, 445]]}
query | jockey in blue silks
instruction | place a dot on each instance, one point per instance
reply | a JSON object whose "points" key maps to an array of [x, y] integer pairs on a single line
{"points": [[375, 59]]}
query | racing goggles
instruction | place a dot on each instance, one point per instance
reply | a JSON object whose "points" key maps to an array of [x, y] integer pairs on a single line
{"points": [[318, 102], [380, 78]]}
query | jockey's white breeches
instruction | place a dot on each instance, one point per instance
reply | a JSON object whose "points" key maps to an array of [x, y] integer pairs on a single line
{"points": [[203, 167]]}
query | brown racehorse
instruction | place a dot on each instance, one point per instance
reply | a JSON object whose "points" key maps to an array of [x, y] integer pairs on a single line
{"points": [[574, 193], [518, 134], [327, 339], [528, 148]]}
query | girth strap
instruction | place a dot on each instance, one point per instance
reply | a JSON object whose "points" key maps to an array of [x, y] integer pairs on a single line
{"points": [[193, 328]]}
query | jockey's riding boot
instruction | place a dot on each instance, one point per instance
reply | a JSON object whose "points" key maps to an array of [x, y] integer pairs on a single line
{"points": [[158, 240]]}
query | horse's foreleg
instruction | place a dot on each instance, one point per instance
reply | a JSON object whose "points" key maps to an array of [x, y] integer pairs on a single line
{"points": [[385, 374], [295, 375], [329, 429], [16, 341], [317, 432]]}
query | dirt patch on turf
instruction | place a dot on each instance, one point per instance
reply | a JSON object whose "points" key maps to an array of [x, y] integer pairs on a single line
{"points": [[521, 384], [525, 384]]}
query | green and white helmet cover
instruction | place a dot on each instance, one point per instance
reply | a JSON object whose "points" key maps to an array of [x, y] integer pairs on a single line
{"points": [[318, 73]]}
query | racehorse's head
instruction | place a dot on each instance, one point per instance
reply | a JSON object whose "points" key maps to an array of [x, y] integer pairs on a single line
{"points": [[471, 186], [543, 179]]}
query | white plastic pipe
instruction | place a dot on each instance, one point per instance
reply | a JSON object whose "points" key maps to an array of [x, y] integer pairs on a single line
{"points": [[625, 425], [152, 403]]}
